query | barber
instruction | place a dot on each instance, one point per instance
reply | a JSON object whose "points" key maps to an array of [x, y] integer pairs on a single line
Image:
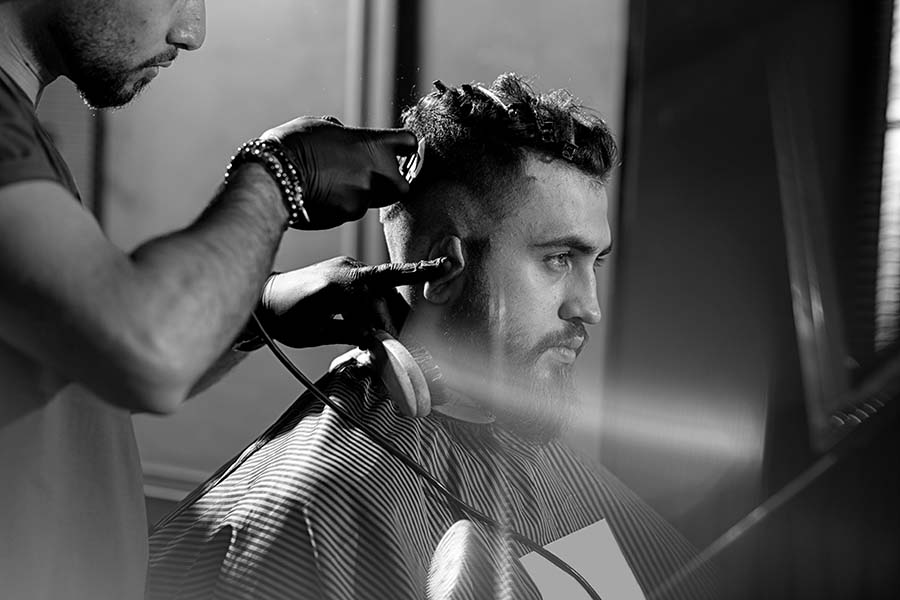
{"points": [[90, 334]]}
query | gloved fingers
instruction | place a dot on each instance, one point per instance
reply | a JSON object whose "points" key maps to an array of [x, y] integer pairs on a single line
{"points": [[382, 317], [385, 188], [370, 312], [352, 206], [342, 331], [387, 182], [344, 170], [398, 142], [391, 275], [396, 308], [297, 124], [331, 331], [388, 309]]}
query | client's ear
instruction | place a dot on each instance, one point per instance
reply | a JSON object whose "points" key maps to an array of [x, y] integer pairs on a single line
{"points": [[447, 286]]}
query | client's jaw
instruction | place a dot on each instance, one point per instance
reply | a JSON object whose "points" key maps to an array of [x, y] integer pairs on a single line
{"points": [[472, 386]]}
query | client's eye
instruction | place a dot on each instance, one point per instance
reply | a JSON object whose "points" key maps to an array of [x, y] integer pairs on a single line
{"points": [[559, 262]]}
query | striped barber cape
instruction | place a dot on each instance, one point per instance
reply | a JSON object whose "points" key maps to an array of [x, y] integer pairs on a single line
{"points": [[314, 509]]}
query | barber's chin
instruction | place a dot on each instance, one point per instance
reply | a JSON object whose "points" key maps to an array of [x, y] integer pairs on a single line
{"points": [[115, 99]]}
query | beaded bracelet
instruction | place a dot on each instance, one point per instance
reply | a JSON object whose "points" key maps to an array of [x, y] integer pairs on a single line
{"points": [[271, 155]]}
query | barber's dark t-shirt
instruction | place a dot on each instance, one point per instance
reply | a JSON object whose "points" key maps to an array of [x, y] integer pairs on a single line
{"points": [[72, 518], [26, 150]]}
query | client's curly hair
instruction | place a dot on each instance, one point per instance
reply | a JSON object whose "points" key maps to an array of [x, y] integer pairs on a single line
{"points": [[469, 127], [477, 138]]}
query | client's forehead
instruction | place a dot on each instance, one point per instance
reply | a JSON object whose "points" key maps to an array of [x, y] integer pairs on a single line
{"points": [[553, 201]]}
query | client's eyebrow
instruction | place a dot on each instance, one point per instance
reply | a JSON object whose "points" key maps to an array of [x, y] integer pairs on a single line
{"points": [[576, 243]]}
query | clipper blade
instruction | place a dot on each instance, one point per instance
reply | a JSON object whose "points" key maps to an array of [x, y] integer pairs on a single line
{"points": [[411, 165]]}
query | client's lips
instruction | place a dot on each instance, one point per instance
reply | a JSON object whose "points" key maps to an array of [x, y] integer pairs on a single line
{"points": [[567, 350], [576, 343]]}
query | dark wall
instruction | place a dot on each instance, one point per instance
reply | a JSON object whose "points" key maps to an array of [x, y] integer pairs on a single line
{"points": [[702, 331], [704, 410], [837, 538]]}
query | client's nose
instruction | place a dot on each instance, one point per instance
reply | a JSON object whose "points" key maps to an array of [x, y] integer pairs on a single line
{"points": [[581, 302]]}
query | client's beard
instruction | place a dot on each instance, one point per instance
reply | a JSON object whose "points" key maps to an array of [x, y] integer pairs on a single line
{"points": [[536, 408], [545, 409]]}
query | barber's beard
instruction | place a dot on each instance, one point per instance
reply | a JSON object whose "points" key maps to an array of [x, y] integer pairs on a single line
{"points": [[100, 88], [96, 67], [537, 404]]}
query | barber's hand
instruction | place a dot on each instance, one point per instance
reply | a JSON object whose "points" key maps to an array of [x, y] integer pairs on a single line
{"points": [[340, 300], [344, 170]]}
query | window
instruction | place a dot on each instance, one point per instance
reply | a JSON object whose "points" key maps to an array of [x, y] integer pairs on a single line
{"points": [[887, 294]]}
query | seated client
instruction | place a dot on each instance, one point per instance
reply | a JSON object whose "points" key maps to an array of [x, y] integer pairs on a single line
{"points": [[511, 190]]}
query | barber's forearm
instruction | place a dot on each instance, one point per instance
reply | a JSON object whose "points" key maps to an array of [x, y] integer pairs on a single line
{"points": [[227, 361], [201, 283]]}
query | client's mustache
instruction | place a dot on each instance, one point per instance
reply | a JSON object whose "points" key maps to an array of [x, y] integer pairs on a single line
{"points": [[163, 57], [573, 335]]}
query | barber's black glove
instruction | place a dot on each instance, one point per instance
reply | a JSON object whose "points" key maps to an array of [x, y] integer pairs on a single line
{"points": [[340, 300], [344, 170]]}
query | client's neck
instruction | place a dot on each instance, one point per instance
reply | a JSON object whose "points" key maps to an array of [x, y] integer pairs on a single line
{"points": [[452, 402]]}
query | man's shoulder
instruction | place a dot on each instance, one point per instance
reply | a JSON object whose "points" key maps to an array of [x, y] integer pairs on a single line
{"points": [[330, 449], [11, 96], [17, 119], [308, 471], [316, 492], [26, 151]]}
